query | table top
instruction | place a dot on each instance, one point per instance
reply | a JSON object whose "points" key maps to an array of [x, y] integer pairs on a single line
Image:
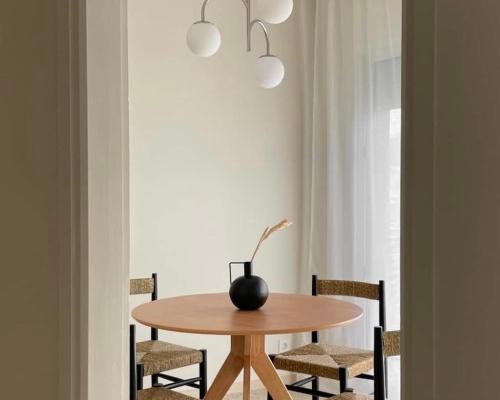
{"points": [[214, 314]]}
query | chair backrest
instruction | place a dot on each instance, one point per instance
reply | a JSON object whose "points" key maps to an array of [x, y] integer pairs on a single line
{"points": [[364, 290], [391, 342], [143, 285], [146, 286], [387, 344], [370, 291]]}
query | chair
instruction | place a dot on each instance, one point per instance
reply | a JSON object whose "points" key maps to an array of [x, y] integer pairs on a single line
{"points": [[155, 393], [154, 357], [387, 344], [324, 360]]}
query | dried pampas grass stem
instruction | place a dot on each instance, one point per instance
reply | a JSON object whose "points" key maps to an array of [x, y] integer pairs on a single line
{"points": [[268, 232]]}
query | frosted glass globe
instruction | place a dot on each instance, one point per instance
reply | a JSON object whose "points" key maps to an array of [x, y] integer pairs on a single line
{"points": [[273, 11], [269, 71], [203, 39]]}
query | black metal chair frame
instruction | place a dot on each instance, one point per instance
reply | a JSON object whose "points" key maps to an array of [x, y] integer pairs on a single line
{"points": [[343, 380], [379, 365], [199, 382], [133, 364]]}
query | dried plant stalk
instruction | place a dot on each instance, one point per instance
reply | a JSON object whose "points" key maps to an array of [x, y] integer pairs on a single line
{"points": [[268, 232], [260, 241]]}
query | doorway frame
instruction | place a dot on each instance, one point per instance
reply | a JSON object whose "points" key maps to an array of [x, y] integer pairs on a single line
{"points": [[93, 177], [418, 201], [94, 159]]}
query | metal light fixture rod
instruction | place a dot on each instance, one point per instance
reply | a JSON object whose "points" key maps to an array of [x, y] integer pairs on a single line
{"points": [[250, 25], [203, 10], [266, 35]]}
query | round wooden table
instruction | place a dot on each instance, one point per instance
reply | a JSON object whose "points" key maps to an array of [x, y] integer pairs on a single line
{"points": [[214, 314]]}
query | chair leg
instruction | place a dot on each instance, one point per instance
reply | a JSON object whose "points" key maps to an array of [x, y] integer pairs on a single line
{"points": [[386, 379], [343, 379], [203, 375], [154, 380], [315, 386], [140, 376], [133, 365]]}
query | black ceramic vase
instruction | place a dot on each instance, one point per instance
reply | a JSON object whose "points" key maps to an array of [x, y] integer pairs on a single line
{"points": [[248, 292]]}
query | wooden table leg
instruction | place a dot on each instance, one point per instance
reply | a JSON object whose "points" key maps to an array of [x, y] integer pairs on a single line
{"points": [[247, 361], [246, 352], [264, 368], [229, 370]]}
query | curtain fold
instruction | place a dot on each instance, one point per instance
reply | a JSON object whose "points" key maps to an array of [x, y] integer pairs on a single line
{"points": [[352, 91]]}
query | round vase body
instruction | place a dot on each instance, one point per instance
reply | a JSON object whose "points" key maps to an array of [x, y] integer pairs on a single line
{"points": [[249, 292]]}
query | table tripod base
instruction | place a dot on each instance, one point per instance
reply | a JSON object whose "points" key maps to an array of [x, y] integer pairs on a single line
{"points": [[247, 352]]}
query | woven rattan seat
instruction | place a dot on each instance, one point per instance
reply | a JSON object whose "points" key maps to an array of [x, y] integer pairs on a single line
{"points": [[387, 344], [332, 361], [158, 356], [324, 360], [161, 394], [154, 357]]}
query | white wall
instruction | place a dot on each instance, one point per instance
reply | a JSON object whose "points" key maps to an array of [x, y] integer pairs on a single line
{"points": [[213, 157]]}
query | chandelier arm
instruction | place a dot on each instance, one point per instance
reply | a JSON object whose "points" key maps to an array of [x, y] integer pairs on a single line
{"points": [[250, 25], [203, 7], [264, 30]]}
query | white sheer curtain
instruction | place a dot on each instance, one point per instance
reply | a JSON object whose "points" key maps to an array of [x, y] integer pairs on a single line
{"points": [[352, 71]]}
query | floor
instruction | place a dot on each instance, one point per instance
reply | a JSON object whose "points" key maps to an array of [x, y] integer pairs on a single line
{"points": [[359, 385], [262, 395]]}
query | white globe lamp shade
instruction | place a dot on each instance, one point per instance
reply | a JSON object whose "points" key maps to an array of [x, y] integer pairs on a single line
{"points": [[203, 39], [269, 71], [273, 11]]}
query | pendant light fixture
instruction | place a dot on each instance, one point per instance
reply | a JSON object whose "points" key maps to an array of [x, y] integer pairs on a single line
{"points": [[204, 38]]}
